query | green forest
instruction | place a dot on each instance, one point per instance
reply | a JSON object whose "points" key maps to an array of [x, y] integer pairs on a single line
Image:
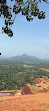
{"points": [[14, 74]]}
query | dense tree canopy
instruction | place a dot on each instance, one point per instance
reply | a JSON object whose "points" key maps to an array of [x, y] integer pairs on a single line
{"points": [[28, 8]]}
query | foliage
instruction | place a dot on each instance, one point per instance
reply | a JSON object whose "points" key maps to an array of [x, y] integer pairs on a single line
{"points": [[13, 74], [29, 9]]}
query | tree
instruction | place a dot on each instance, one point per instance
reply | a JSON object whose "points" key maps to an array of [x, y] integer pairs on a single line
{"points": [[28, 9]]}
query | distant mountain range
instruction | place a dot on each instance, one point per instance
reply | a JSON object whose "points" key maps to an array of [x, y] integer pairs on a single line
{"points": [[25, 57]]}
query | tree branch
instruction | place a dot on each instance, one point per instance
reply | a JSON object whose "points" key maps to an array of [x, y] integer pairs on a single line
{"points": [[46, 1]]}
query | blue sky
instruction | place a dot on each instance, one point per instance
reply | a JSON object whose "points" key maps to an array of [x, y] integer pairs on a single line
{"points": [[30, 38]]}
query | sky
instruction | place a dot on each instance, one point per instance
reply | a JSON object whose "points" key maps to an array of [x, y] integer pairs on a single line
{"points": [[31, 38]]}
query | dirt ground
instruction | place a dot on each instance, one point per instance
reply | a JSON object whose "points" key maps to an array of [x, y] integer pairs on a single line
{"points": [[29, 101], [32, 102]]}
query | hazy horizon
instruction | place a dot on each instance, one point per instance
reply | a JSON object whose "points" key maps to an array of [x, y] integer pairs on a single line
{"points": [[8, 57]]}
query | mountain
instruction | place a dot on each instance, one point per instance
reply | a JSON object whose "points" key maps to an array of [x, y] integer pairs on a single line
{"points": [[24, 57]]}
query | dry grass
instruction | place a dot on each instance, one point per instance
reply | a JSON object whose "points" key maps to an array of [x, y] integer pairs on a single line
{"points": [[36, 87], [45, 69]]}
